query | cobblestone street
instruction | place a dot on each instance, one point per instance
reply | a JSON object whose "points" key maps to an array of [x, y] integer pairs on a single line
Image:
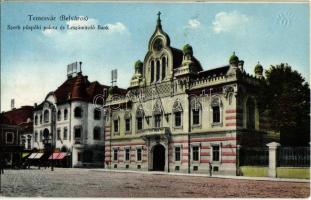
{"points": [[97, 183]]}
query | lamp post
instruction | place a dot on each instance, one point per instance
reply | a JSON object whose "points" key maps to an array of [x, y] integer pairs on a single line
{"points": [[53, 130], [53, 109]]}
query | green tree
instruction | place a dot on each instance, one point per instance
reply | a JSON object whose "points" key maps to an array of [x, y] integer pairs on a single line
{"points": [[287, 98]]}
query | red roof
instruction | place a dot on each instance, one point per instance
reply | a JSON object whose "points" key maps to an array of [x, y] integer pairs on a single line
{"points": [[78, 88], [19, 115]]}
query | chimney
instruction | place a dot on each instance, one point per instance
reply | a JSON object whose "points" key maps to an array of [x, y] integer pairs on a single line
{"points": [[12, 104]]}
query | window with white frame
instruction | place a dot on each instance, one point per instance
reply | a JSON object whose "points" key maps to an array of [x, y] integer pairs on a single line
{"points": [[65, 114], [46, 116], [138, 154], [41, 136], [78, 112], [97, 114], [59, 115], [77, 132], [127, 154], [9, 137], [36, 119], [58, 134], [115, 154], [216, 153], [177, 153], [36, 136], [65, 133]]}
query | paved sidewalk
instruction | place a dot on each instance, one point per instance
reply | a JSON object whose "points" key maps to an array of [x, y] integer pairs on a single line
{"points": [[205, 175]]}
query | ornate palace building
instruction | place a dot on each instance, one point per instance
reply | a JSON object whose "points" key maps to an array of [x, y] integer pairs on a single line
{"points": [[177, 117]]}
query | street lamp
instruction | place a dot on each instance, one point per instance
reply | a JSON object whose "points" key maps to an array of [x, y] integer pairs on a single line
{"points": [[53, 108]]}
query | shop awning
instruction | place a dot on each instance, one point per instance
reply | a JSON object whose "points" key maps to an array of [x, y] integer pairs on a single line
{"points": [[54, 156], [61, 156], [32, 156], [25, 155], [38, 156]]}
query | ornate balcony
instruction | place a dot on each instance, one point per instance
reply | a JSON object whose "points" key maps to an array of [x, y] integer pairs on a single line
{"points": [[156, 131]]}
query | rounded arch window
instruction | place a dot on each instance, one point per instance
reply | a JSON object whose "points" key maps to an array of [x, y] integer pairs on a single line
{"points": [[97, 114], [78, 112], [59, 115], [36, 119], [65, 114], [46, 116]]}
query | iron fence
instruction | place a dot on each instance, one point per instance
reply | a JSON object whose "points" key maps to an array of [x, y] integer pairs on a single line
{"points": [[293, 156], [258, 156]]}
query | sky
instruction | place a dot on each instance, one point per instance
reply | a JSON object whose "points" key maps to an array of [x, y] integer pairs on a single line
{"points": [[33, 63]]}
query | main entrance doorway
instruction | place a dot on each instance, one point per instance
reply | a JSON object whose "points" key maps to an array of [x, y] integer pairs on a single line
{"points": [[158, 157]]}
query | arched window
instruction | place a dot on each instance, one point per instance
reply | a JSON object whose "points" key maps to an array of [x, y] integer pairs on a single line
{"points": [[96, 133], [196, 110], [177, 111], [158, 71], [97, 114], [152, 71], [250, 108], [59, 115], [78, 112], [46, 116], [230, 96], [116, 123], [36, 136], [139, 119], [36, 119], [163, 67], [216, 105], [65, 114], [40, 119]]}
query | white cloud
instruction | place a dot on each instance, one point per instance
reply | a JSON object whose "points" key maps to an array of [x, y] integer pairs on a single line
{"points": [[194, 23], [117, 27], [229, 21]]}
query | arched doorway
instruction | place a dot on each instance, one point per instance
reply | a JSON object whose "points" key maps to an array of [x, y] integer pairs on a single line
{"points": [[158, 157]]}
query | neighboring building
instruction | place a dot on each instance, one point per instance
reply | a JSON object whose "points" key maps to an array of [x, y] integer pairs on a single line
{"points": [[177, 117], [75, 119], [16, 133]]}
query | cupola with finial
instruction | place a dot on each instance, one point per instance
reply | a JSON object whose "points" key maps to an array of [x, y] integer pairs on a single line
{"points": [[258, 70], [187, 51], [234, 63]]}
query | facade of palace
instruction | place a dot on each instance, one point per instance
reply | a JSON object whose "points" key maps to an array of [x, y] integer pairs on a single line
{"points": [[71, 113], [177, 117]]}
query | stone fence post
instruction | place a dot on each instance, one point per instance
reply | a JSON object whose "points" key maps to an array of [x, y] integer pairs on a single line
{"points": [[272, 158]]}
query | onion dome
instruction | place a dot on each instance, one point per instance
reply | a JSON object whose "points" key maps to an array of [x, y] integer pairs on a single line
{"points": [[187, 49], [233, 59], [78, 89], [138, 66], [258, 68]]}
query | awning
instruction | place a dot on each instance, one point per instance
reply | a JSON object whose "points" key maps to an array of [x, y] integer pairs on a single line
{"points": [[54, 156], [58, 156], [61, 156], [32, 156], [25, 155], [38, 156]]}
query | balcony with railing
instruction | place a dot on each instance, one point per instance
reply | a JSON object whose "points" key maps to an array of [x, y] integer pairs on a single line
{"points": [[155, 131]]}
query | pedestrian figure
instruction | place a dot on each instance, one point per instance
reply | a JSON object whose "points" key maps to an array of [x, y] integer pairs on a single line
{"points": [[210, 168]]}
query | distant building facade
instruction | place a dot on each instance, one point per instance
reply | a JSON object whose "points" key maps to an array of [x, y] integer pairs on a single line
{"points": [[70, 113], [176, 117], [16, 134]]}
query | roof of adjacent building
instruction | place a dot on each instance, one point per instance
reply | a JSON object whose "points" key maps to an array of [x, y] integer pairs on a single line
{"points": [[78, 88], [220, 71], [17, 116]]}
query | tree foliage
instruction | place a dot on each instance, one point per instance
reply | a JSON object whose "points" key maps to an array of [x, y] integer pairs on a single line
{"points": [[286, 95]]}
